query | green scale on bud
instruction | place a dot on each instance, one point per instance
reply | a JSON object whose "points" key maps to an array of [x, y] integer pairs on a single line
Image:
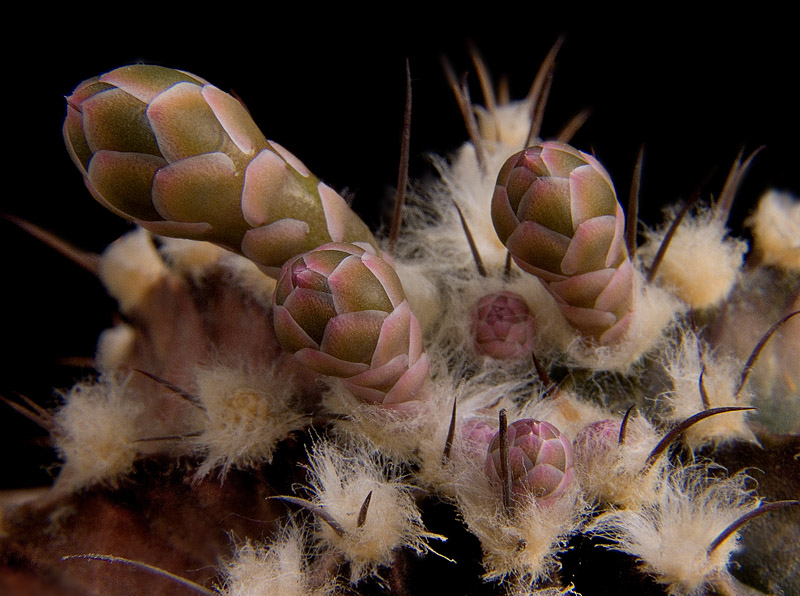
{"points": [[341, 310], [556, 211], [172, 152]]}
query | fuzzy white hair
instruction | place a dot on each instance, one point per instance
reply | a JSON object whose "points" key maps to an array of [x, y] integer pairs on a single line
{"points": [[247, 413], [340, 480], [279, 568], [673, 536], [97, 432]]}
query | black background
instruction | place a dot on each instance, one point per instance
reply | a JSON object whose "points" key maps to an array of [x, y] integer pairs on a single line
{"points": [[331, 90]]}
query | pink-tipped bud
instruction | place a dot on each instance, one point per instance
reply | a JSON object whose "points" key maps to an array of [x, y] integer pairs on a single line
{"points": [[502, 326], [539, 460], [556, 211], [596, 440], [340, 309], [475, 436]]}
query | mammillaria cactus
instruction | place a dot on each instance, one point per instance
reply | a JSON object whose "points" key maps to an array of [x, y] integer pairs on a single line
{"points": [[556, 211], [303, 416], [341, 310], [182, 158]]}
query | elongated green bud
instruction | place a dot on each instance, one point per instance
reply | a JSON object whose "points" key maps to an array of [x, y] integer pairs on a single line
{"points": [[181, 158], [556, 210]]}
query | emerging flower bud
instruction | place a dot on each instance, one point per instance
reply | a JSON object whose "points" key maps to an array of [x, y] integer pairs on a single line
{"points": [[341, 310], [502, 326], [540, 460], [182, 158], [555, 209], [474, 437], [597, 439]]}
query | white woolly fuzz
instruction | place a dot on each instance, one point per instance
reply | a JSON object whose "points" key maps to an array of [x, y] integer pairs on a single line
{"points": [[721, 375], [396, 431], [279, 568], [114, 347], [193, 257], [247, 413], [433, 231], [673, 535], [776, 230], [96, 433], [508, 124], [564, 411], [654, 312], [340, 480], [521, 544], [196, 259], [701, 264], [129, 267], [616, 473]]}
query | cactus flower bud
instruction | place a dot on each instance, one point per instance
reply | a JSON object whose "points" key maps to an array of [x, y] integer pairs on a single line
{"points": [[182, 158], [556, 211], [341, 310], [540, 460], [502, 326], [596, 444]]}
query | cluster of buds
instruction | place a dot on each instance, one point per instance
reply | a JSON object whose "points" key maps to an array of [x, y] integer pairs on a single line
{"points": [[556, 210], [503, 326], [341, 310], [182, 158]]}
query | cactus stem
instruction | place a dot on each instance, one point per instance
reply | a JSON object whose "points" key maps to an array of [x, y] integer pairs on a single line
{"points": [[467, 113], [472, 247], [315, 509], [83, 258], [402, 169], [451, 432], [732, 184], [362, 513], [505, 471], [757, 350], [766, 508], [623, 427], [632, 216], [676, 431], [144, 567]]}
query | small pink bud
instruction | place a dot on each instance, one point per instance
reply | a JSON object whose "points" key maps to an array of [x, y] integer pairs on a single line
{"points": [[596, 439], [540, 460], [503, 327], [475, 436]]}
